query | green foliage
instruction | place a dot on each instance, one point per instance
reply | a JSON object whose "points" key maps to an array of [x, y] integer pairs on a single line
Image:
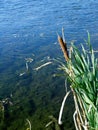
{"points": [[82, 72]]}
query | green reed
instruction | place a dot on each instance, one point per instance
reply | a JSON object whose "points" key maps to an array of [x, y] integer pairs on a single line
{"points": [[82, 71]]}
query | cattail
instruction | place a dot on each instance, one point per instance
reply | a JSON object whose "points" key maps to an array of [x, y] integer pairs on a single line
{"points": [[63, 47]]}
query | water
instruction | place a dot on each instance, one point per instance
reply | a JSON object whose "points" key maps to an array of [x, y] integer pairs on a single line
{"points": [[31, 26], [28, 30], [35, 18]]}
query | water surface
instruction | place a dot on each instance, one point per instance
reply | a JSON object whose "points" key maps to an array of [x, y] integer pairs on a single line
{"points": [[35, 19]]}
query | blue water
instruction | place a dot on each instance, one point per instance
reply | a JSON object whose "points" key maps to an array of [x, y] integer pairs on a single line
{"points": [[35, 19]]}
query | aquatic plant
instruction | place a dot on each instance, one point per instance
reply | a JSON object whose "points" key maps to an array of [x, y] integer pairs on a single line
{"points": [[54, 123], [29, 123], [1, 111], [81, 70]]}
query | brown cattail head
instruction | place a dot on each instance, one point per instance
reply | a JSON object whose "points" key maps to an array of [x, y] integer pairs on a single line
{"points": [[63, 47]]}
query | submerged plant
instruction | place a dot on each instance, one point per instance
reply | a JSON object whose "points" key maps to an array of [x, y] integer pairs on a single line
{"points": [[53, 124], [82, 72], [29, 123]]}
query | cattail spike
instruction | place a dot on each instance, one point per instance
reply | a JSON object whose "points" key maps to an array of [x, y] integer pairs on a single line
{"points": [[63, 47]]}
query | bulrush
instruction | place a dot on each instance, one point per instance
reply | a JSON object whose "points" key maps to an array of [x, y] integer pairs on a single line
{"points": [[63, 47], [82, 73]]}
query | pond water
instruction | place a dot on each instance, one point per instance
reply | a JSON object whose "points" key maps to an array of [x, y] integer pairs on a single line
{"points": [[34, 19], [28, 42]]}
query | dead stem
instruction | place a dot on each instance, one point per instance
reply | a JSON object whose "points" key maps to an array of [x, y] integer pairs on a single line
{"points": [[62, 107], [75, 122], [83, 113], [29, 124]]}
